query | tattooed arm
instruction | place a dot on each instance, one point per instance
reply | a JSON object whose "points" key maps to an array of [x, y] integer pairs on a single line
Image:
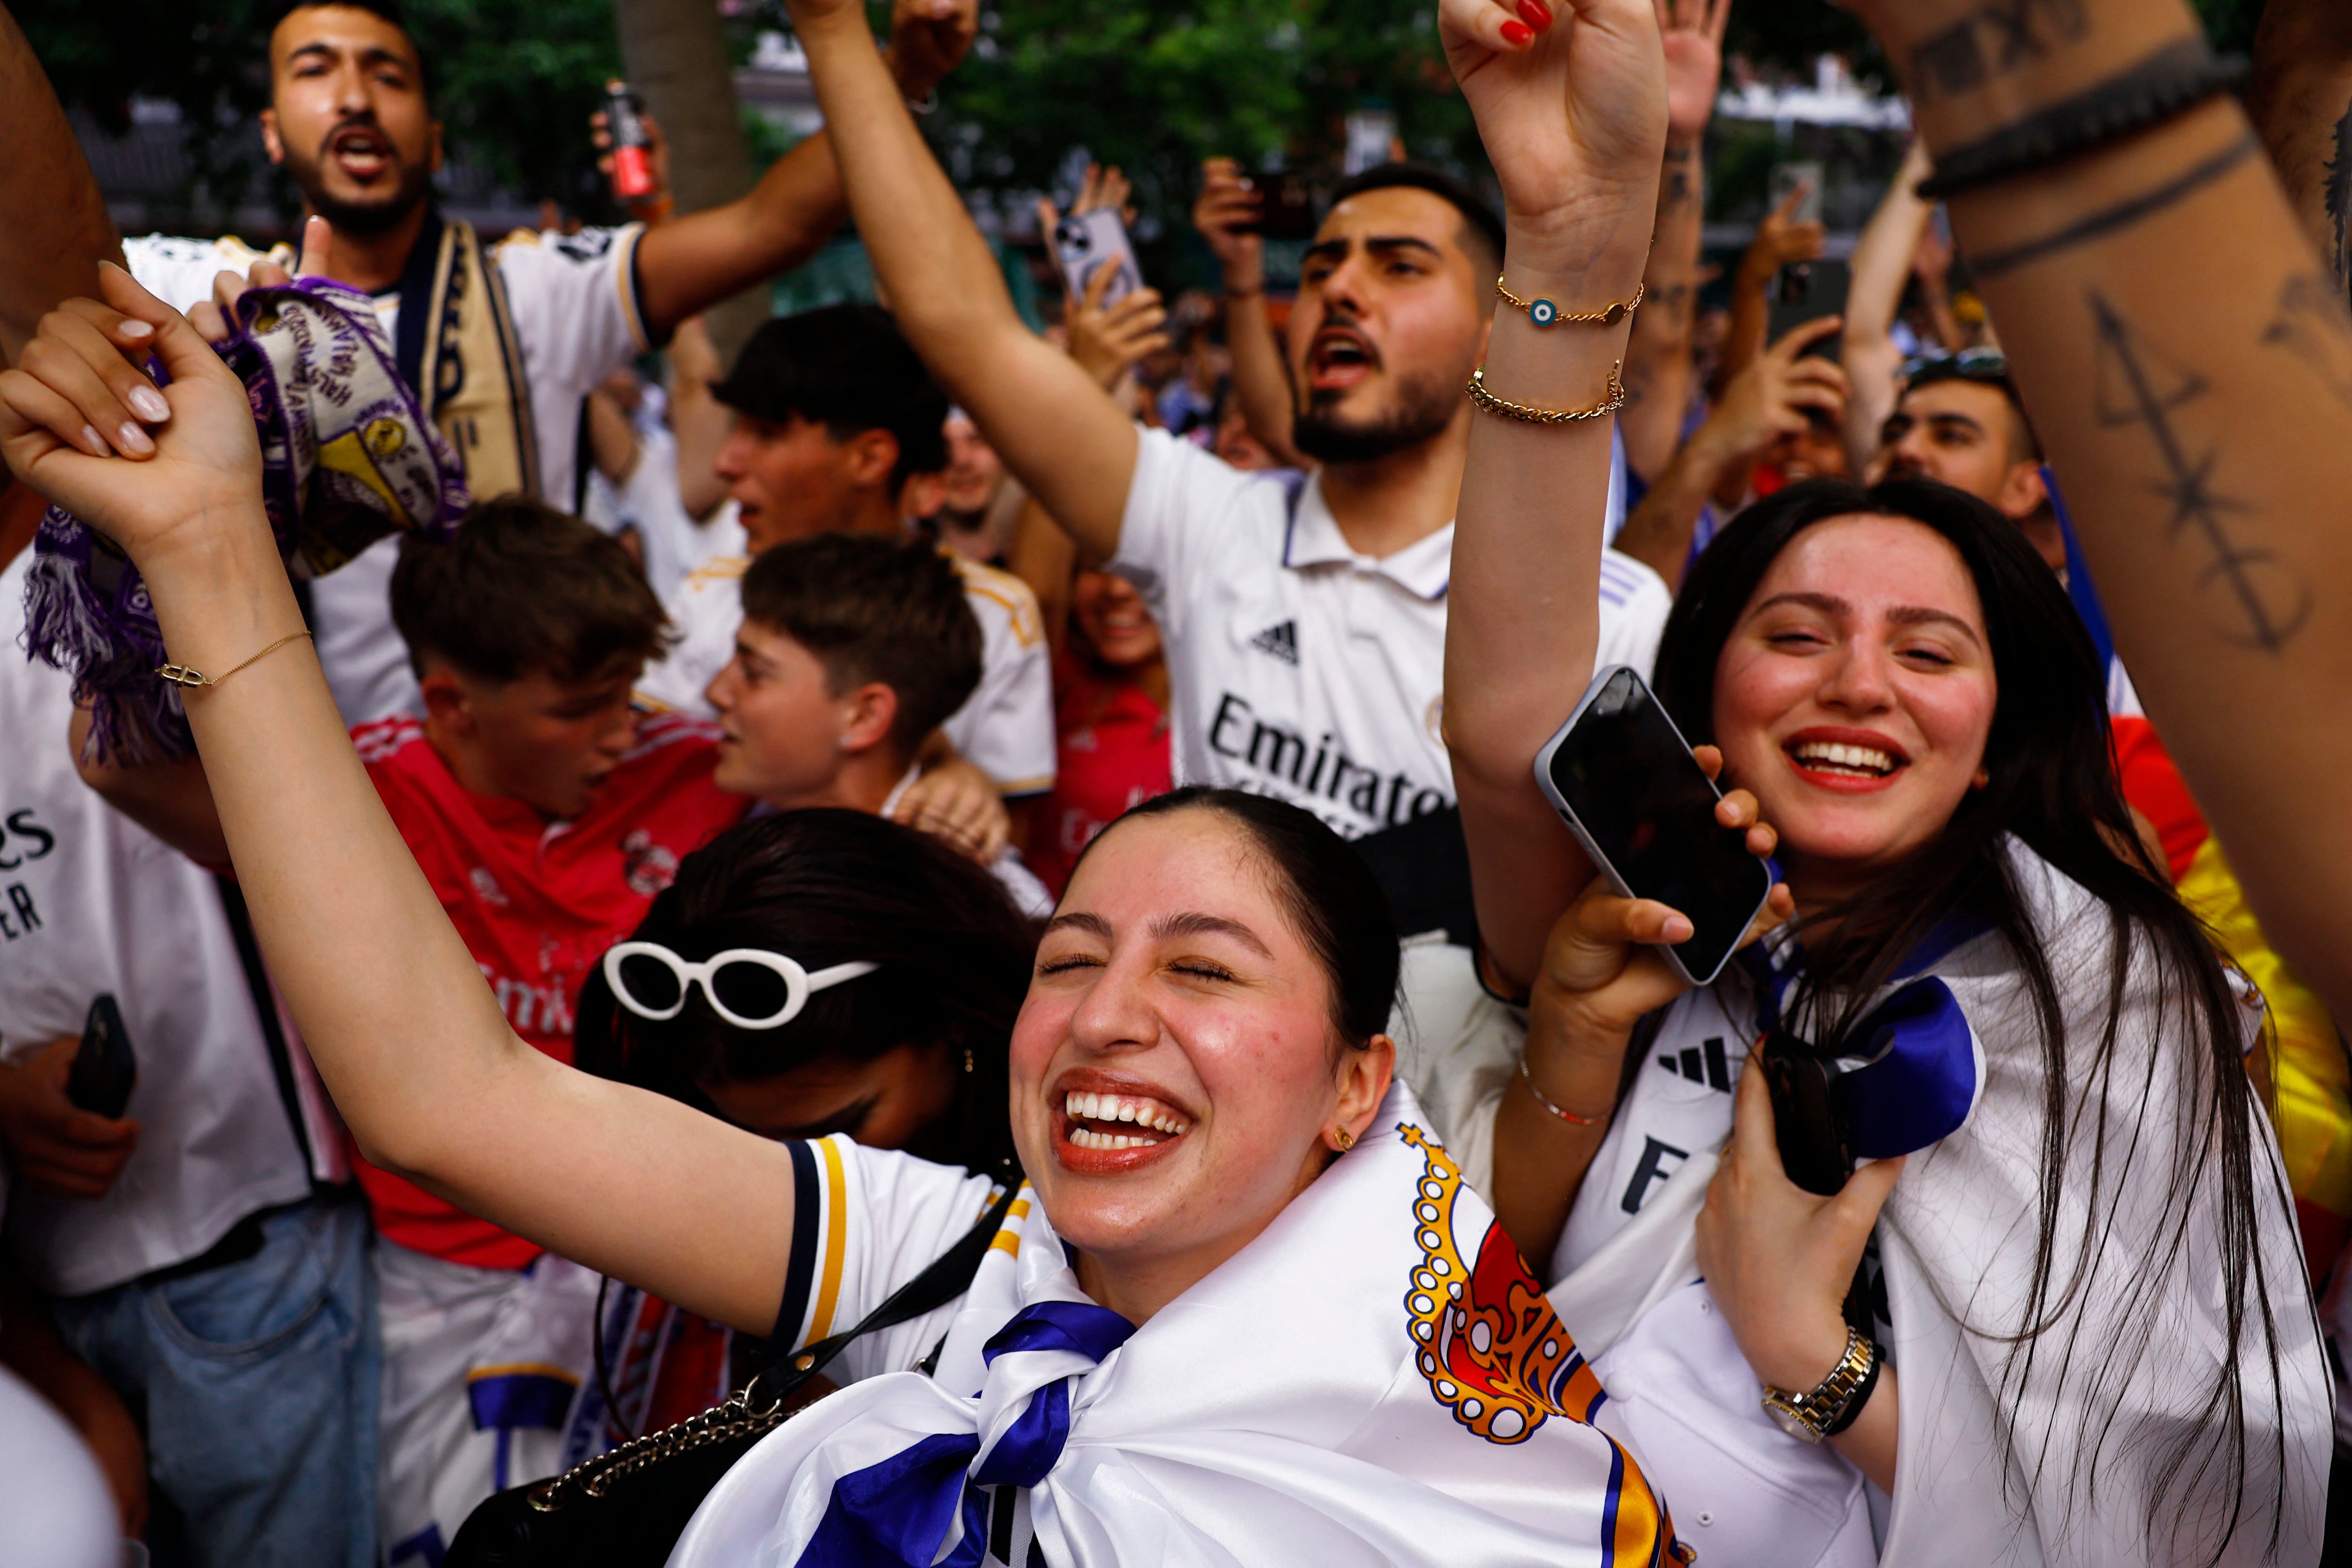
{"points": [[2198, 411], [1658, 355], [2301, 97]]}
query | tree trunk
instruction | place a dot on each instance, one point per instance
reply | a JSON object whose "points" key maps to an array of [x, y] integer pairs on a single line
{"points": [[677, 60]]}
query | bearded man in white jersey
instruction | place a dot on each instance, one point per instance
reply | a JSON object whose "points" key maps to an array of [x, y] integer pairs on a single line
{"points": [[503, 342], [1305, 629]]}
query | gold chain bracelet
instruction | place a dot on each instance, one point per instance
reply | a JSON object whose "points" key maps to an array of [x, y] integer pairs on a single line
{"points": [[181, 675], [1508, 410], [1544, 313]]}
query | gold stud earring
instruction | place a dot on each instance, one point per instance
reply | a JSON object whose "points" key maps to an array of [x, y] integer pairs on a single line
{"points": [[1344, 1138]]}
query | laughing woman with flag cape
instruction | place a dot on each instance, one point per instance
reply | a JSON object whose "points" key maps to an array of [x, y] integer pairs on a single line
{"points": [[1247, 1313], [2056, 1313]]}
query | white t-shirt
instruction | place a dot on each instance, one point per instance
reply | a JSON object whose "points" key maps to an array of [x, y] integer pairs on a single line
{"points": [[1297, 668], [1005, 728], [572, 299], [91, 902]]}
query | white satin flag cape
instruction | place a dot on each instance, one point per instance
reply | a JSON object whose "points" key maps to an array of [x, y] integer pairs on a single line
{"points": [[1375, 1379], [1956, 1242]]}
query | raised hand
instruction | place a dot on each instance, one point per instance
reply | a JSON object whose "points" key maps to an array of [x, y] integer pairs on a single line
{"points": [[1768, 399], [1601, 971], [1692, 34], [928, 38], [1781, 239], [600, 131], [186, 452], [1228, 205], [1105, 341], [1572, 110]]}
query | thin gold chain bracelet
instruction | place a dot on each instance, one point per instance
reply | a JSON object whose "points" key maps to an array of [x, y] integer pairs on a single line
{"points": [[182, 675], [1544, 313], [1610, 404]]}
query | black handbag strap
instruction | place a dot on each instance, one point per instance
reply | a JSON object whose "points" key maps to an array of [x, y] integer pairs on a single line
{"points": [[949, 1276]]}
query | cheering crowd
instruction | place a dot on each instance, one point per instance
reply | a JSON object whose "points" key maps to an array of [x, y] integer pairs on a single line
{"points": [[970, 914]]}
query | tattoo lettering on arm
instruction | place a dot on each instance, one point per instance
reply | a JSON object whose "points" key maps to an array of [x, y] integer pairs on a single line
{"points": [[1996, 36], [2312, 326], [2137, 384]]}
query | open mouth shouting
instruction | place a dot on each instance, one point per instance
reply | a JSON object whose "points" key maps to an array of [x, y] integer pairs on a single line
{"points": [[1339, 357], [363, 152], [1105, 1124], [1851, 761]]}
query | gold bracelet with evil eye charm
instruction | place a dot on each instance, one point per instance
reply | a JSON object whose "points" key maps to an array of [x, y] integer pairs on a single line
{"points": [[1544, 313]]}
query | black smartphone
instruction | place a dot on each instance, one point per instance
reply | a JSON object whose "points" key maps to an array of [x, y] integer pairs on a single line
{"points": [[103, 1070], [1809, 1114], [1622, 778], [1286, 207], [1820, 292]]}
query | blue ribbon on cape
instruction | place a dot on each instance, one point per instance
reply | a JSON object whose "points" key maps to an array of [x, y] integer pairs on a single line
{"points": [[894, 1514], [1920, 1069]]}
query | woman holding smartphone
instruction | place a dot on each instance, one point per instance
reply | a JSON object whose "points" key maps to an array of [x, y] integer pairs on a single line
{"points": [[2079, 1331], [1248, 1300]]}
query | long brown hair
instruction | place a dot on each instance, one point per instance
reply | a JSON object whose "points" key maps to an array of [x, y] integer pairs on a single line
{"points": [[2052, 787]]}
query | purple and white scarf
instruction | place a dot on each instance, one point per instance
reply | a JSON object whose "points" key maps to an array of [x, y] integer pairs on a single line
{"points": [[348, 456]]}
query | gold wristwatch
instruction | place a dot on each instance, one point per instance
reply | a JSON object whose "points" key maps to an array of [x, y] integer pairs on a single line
{"points": [[1830, 1407]]}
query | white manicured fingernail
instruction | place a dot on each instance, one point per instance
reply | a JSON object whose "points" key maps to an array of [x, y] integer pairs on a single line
{"points": [[96, 442], [149, 405], [136, 329], [133, 438]]}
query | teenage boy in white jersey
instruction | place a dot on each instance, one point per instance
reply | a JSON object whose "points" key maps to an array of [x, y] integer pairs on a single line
{"points": [[189, 1258], [1304, 638], [833, 414], [852, 650], [504, 340]]}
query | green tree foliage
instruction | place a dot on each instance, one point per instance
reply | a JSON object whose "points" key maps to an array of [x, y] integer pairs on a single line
{"points": [[1155, 86], [1158, 86]]}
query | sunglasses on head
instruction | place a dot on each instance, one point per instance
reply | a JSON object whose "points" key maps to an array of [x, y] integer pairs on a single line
{"points": [[1968, 364], [746, 986]]}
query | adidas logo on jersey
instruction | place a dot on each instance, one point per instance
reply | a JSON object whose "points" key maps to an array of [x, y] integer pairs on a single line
{"points": [[1281, 641], [1701, 1064]]}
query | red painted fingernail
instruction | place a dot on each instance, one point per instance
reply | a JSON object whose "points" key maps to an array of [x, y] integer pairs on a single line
{"points": [[1535, 14], [1518, 35]]}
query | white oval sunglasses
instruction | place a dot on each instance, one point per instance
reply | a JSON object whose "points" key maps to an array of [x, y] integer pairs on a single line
{"points": [[799, 984]]}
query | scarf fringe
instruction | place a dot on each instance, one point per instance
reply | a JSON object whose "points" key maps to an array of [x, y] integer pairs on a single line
{"points": [[135, 717]]}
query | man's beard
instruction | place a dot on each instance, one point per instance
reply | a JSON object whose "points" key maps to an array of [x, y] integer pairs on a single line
{"points": [[375, 215], [1424, 407]]}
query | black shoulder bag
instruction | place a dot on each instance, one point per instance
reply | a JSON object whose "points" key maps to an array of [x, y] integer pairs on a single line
{"points": [[627, 1509]]}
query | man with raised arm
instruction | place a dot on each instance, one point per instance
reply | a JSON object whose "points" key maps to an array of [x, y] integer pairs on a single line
{"points": [[504, 341], [1304, 632]]}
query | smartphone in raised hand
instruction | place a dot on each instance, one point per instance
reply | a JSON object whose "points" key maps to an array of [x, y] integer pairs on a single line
{"points": [[1624, 779], [1085, 243]]}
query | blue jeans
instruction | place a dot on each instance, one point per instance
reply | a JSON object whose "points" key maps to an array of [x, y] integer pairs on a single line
{"points": [[255, 1382]]}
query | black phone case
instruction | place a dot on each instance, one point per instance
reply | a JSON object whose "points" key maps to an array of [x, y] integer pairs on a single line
{"points": [[1808, 1118], [103, 1070]]}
